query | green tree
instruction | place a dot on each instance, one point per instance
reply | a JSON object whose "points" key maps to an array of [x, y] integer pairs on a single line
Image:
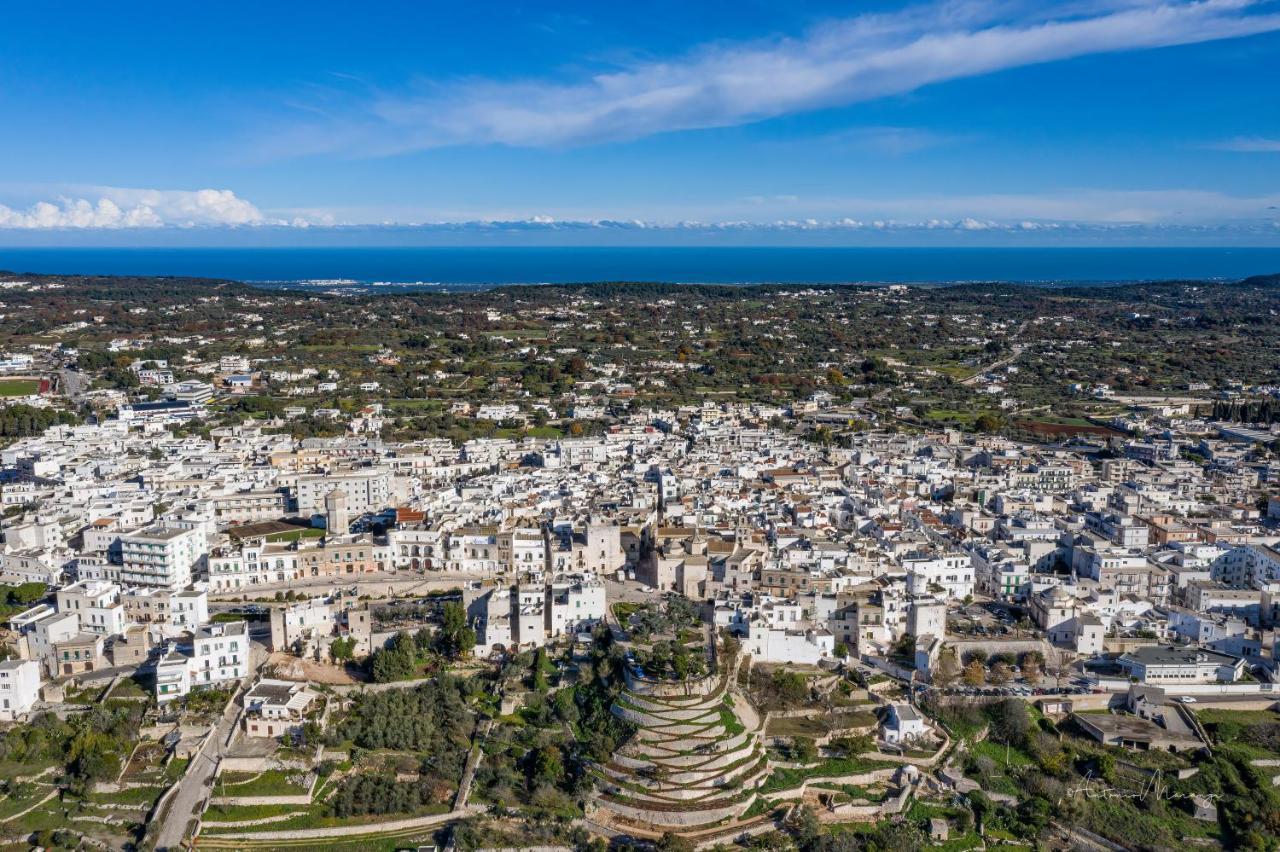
{"points": [[455, 638], [903, 651], [1010, 721], [671, 842], [548, 766], [989, 421], [342, 650]]}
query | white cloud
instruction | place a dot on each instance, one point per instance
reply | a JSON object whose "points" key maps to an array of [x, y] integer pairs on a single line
{"points": [[892, 141], [119, 207], [1030, 211], [839, 63], [115, 208], [1073, 206], [1249, 145]]}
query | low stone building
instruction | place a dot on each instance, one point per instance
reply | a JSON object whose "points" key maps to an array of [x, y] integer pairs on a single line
{"points": [[275, 707]]}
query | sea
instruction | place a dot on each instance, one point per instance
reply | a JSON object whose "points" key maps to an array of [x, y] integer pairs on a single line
{"points": [[447, 269]]}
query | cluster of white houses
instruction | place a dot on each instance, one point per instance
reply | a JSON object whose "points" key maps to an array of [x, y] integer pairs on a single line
{"points": [[805, 551]]}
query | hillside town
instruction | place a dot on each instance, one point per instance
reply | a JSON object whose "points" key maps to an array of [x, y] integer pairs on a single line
{"points": [[707, 622]]}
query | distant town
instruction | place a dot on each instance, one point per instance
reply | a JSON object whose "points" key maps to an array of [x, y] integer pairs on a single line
{"points": [[639, 566]]}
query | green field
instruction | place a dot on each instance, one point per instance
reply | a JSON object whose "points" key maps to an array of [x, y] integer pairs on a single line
{"points": [[272, 782], [19, 387], [340, 347], [518, 333], [951, 415], [294, 535], [531, 432]]}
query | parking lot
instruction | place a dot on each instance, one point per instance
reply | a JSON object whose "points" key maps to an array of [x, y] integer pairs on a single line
{"points": [[989, 619]]}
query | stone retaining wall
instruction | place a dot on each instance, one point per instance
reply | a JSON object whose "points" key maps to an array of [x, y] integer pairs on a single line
{"points": [[875, 776], [260, 764], [261, 800], [705, 686], [678, 819]]}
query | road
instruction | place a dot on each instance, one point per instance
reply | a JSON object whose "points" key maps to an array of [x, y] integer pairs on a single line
{"points": [[195, 785], [73, 382], [995, 365]]}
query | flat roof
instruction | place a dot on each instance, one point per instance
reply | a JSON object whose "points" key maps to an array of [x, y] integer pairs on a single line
{"points": [[1168, 655]]}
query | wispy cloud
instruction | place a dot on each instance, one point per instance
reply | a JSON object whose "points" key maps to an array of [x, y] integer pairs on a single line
{"points": [[1067, 208], [1249, 145], [109, 207], [1100, 207], [891, 141], [839, 63]]}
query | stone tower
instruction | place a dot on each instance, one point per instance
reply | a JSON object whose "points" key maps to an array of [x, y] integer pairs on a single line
{"points": [[337, 520]]}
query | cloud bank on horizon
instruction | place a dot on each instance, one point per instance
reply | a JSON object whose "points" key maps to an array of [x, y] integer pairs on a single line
{"points": [[122, 208], [125, 209]]}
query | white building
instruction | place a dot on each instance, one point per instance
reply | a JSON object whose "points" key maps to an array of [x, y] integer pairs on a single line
{"points": [[497, 411], [903, 724], [367, 489], [45, 631], [161, 557], [305, 623], [96, 603], [254, 563], [949, 575], [776, 643], [219, 654], [275, 707], [19, 688], [167, 613], [574, 604], [1171, 666]]}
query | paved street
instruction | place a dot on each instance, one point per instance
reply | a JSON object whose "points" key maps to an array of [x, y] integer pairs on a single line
{"points": [[196, 785]]}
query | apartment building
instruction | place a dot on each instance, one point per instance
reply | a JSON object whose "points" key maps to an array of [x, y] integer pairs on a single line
{"points": [[949, 574], [1247, 565], [253, 563], [19, 688], [574, 604], [1120, 530], [250, 507], [1210, 597], [478, 550], [162, 557], [595, 548], [96, 603], [219, 654], [528, 614], [418, 548], [170, 612], [368, 489]]}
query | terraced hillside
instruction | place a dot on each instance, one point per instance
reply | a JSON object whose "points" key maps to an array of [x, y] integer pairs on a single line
{"points": [[692, 762]]}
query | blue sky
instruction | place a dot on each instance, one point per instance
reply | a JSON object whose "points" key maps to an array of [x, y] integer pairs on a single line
{"points": [[750, 121]]}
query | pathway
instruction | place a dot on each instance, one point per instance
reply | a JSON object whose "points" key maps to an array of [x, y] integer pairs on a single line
{"points": [[196, 784], [348, 830], [473, 762]]}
